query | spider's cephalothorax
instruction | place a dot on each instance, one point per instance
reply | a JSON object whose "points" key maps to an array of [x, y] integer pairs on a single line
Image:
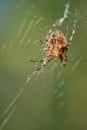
{"points": [[56, 47]]}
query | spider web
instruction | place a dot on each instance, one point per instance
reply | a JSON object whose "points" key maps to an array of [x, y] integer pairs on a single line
{"points": [[26, 38]]}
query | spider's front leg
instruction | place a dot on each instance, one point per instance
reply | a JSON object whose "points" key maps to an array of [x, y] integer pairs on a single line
{"points": [[41, 42], [73, 32]]}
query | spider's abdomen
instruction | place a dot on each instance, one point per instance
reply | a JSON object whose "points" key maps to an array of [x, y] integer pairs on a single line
{"points": [[55, 41], [61, 38]]}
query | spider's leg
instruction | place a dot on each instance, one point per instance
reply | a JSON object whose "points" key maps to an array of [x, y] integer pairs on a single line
{"points": [[34, 61], [44, 61], [63, 62], [43, 64], [37, 61], [41, 60], [63, 59], [73, 32], [41, 42], [38, 68]]}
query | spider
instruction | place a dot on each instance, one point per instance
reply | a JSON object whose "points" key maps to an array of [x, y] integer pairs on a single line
{"points": [[56, 47]]}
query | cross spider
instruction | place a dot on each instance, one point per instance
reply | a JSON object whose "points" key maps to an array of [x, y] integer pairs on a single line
{"points": [[56, 47]]}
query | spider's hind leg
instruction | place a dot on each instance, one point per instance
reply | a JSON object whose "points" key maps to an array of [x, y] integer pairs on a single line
{"points": [[44, 61], [37, 61], [34, 60], [63, 59]]}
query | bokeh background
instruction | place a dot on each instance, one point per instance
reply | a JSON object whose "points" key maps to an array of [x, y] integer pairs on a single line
{"points": [[55, 99]]}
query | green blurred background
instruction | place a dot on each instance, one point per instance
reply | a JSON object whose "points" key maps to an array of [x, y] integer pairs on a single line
{"points": [[57, 98]]}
